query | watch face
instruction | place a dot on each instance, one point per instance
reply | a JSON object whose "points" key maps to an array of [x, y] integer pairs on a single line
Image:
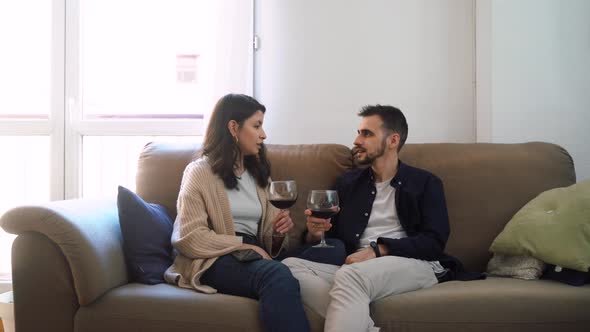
{"points": [[373, 245]]}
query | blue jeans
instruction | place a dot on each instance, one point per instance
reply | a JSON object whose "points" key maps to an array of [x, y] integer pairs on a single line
{"points": [[271, 283], [268, 281]]}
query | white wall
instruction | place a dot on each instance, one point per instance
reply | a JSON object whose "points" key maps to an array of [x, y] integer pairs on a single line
{"points": [[320, 61], [538, 70]]}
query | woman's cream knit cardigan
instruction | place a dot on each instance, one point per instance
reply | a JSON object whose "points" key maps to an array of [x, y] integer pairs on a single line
{"points": [[204, 227]]}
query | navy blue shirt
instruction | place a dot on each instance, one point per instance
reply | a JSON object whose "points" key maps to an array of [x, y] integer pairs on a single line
{"points": [[421, 208], [420, 204]]}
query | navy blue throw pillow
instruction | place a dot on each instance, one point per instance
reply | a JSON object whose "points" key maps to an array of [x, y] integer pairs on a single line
{"points": [[567, 276], [146, 229]]}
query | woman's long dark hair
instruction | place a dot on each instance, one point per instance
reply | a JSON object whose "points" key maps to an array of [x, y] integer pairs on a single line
{"points": [[221, 149]]}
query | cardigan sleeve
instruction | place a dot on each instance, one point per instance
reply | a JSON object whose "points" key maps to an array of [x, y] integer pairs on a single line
{"points": [[200, 229]]}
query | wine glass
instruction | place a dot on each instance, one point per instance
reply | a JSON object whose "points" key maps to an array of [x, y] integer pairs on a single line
{"points": [[323, 204], [282, 195]]}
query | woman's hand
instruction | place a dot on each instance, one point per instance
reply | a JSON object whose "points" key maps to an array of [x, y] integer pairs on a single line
{"points": [[259, 250], [282, 222], [315, 226]]}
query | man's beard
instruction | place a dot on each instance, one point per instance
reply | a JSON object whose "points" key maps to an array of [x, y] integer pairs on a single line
{"points": [[370, 158]]}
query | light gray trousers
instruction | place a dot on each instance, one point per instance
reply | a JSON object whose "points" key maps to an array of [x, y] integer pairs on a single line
{"points": [[342, 294]]}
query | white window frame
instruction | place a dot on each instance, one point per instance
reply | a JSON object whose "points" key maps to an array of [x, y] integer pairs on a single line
{"points": [[57, 116], [53, 127]]}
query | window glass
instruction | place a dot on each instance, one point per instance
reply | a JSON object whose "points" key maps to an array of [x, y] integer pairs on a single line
{"points": [[25, 60], [110, 161], [24, 177], [162, 58]]}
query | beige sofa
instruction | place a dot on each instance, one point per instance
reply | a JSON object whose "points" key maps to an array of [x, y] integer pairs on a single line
{"points": [[69, 272]]}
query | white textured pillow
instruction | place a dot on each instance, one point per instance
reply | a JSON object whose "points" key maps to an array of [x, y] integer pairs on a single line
{"points": [[521, 267]]}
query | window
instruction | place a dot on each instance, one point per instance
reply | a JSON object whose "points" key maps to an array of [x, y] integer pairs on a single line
{"points": [[25, 180], [110, 161], [156, 68], [89, 83]]}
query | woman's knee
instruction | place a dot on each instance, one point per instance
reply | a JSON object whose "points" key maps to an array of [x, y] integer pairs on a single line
{"points": [[277, 274]]}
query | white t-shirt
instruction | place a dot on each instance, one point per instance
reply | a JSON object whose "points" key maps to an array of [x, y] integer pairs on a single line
{"points": [[382, 222], [245, 205]]}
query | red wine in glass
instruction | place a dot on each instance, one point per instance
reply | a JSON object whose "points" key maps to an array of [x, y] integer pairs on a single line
{"points": [[323, 213], [282, 195], [323, 204], [283, 204]]}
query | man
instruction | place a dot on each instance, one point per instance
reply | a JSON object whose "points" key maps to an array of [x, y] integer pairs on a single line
{"points": [[393, 221]]}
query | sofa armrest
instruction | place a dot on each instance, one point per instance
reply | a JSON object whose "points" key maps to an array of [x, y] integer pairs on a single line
{"points": [[88, 234]]}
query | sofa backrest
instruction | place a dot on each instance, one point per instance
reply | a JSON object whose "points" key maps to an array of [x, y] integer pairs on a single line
{"points": [[485, 184], [159, 172], [312, 166]]}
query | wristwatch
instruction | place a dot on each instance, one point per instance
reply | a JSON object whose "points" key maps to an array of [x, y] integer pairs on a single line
{"points": [[375, 247]]}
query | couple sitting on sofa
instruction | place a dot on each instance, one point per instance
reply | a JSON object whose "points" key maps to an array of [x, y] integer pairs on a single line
{"points": [[390, 233]]}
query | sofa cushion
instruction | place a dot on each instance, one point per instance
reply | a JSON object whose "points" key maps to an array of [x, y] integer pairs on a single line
{"points": [[163, 307], [493, 304], [554, 227], [146, 229]]}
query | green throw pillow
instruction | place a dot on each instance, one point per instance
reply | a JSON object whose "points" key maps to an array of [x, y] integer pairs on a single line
{"points": [[554, 227]]}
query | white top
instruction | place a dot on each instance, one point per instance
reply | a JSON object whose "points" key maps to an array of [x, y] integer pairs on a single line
{"points": [[384, 222], [245, 205]]}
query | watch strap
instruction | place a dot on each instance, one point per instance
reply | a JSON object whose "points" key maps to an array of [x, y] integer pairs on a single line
{"points": [[375, 248]]}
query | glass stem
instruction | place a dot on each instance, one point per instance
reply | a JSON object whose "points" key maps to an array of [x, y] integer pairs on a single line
{"points": [[274, 231], [277, 241], [322, 239]]}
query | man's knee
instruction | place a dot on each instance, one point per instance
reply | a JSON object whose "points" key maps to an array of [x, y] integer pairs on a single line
{"points": [[345, 274], [293, 262], [350, 276]]}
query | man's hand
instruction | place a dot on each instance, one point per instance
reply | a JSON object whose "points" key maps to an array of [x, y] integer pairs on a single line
{"points": [[366, 254], [360, 256], [259, 250], [315, 227], [282, 222]]}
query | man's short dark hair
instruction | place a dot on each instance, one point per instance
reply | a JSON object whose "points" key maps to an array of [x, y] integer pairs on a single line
{"points": [[393, 120]]}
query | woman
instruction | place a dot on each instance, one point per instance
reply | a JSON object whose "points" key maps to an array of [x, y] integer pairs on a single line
{"points": [[223, 212]]}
